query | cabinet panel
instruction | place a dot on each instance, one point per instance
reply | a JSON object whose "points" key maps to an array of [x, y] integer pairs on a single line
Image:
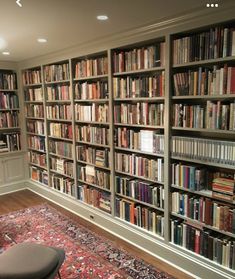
{"points": [[14, 169], [1, 173]]}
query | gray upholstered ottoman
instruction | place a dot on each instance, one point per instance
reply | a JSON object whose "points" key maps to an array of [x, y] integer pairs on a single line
{"points": [[30, 261]]}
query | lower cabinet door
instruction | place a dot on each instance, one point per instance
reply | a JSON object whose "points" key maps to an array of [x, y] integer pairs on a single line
{"points": [[2, 179], [13, 169]]}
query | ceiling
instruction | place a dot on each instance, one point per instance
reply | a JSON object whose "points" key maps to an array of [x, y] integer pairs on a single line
{"points": [[66, 23]]}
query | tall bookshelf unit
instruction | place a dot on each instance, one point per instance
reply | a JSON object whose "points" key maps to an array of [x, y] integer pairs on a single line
{"points": [[9, 112], [203, 147], [35, 124], [59, 117], [139, 93], [92, 130], [12, 151], [145, 132]]}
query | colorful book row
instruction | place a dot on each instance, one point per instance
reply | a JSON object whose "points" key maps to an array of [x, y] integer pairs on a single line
{"points": [[136, 87], [140, 114]]}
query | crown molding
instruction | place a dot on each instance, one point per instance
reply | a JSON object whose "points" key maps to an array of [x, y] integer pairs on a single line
{"points": [[8, 65], [168, 26]]}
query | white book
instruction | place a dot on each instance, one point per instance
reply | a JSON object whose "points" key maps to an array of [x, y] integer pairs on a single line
{"points": [[146, 141], [90, 170], [154, 222], [221, 81], [60, 165]]}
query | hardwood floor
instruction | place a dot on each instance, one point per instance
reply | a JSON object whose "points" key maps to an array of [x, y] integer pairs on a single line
{"points": [[23, 199]]}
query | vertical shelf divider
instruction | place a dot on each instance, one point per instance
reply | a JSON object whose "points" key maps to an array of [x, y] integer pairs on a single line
{"points": [[21, 97], [71, 88], [44, 90], [167, 140], [111, 134]]}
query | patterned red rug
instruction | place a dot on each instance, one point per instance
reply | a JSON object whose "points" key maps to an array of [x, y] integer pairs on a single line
{"points": [[88, 255]]}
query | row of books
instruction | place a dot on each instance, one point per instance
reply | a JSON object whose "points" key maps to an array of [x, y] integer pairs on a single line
{"points": [[94, 112], [204, 242], [91, 90], [141, 216], [189, 177], [37, 158], [62, 184], [219, 116], [92, 134], [62, 166], [91, 67], [207, 150], [36, 127], [37, 143], [94, 197], [94, 176], [59, 112], [9, 142], [61, 148], [140, 166], [139, 113], [56, 72], [9, 119], [8, 81], [13, 141], [139, 58], [142, 140], [140, 190], [58, 92], [32, 110], [33, 94], [60, 130], [39, 175], [191, 116], [204, 210], [205, 81], [197, 178], [31, 77], [217, 42], [136, 87], [96, 156], [212, 116], [8, 101]]}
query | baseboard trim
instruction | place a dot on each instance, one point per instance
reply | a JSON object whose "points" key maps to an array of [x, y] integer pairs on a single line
{"points": [[197, 267], [12, 187]]}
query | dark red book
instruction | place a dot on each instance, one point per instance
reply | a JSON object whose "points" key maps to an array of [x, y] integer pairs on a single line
{"points": [[232, 81], [208, 211], [221, 218]]}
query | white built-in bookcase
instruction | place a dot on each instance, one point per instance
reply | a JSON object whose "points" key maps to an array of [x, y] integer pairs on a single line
{"points": [[112, 205]]}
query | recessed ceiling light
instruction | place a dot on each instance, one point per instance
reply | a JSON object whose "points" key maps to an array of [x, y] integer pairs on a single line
{"points": [[6, 53], [102, 17], [41, 40]]}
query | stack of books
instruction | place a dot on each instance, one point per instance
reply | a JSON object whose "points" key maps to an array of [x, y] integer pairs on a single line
{"points": [[223, 188], [3, 146]]}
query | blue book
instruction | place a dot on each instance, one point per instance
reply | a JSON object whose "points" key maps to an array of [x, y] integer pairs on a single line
{"points": [[192, 178]]}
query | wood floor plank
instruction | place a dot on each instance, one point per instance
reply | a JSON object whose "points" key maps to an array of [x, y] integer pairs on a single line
{"points": [[25, 198]]}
